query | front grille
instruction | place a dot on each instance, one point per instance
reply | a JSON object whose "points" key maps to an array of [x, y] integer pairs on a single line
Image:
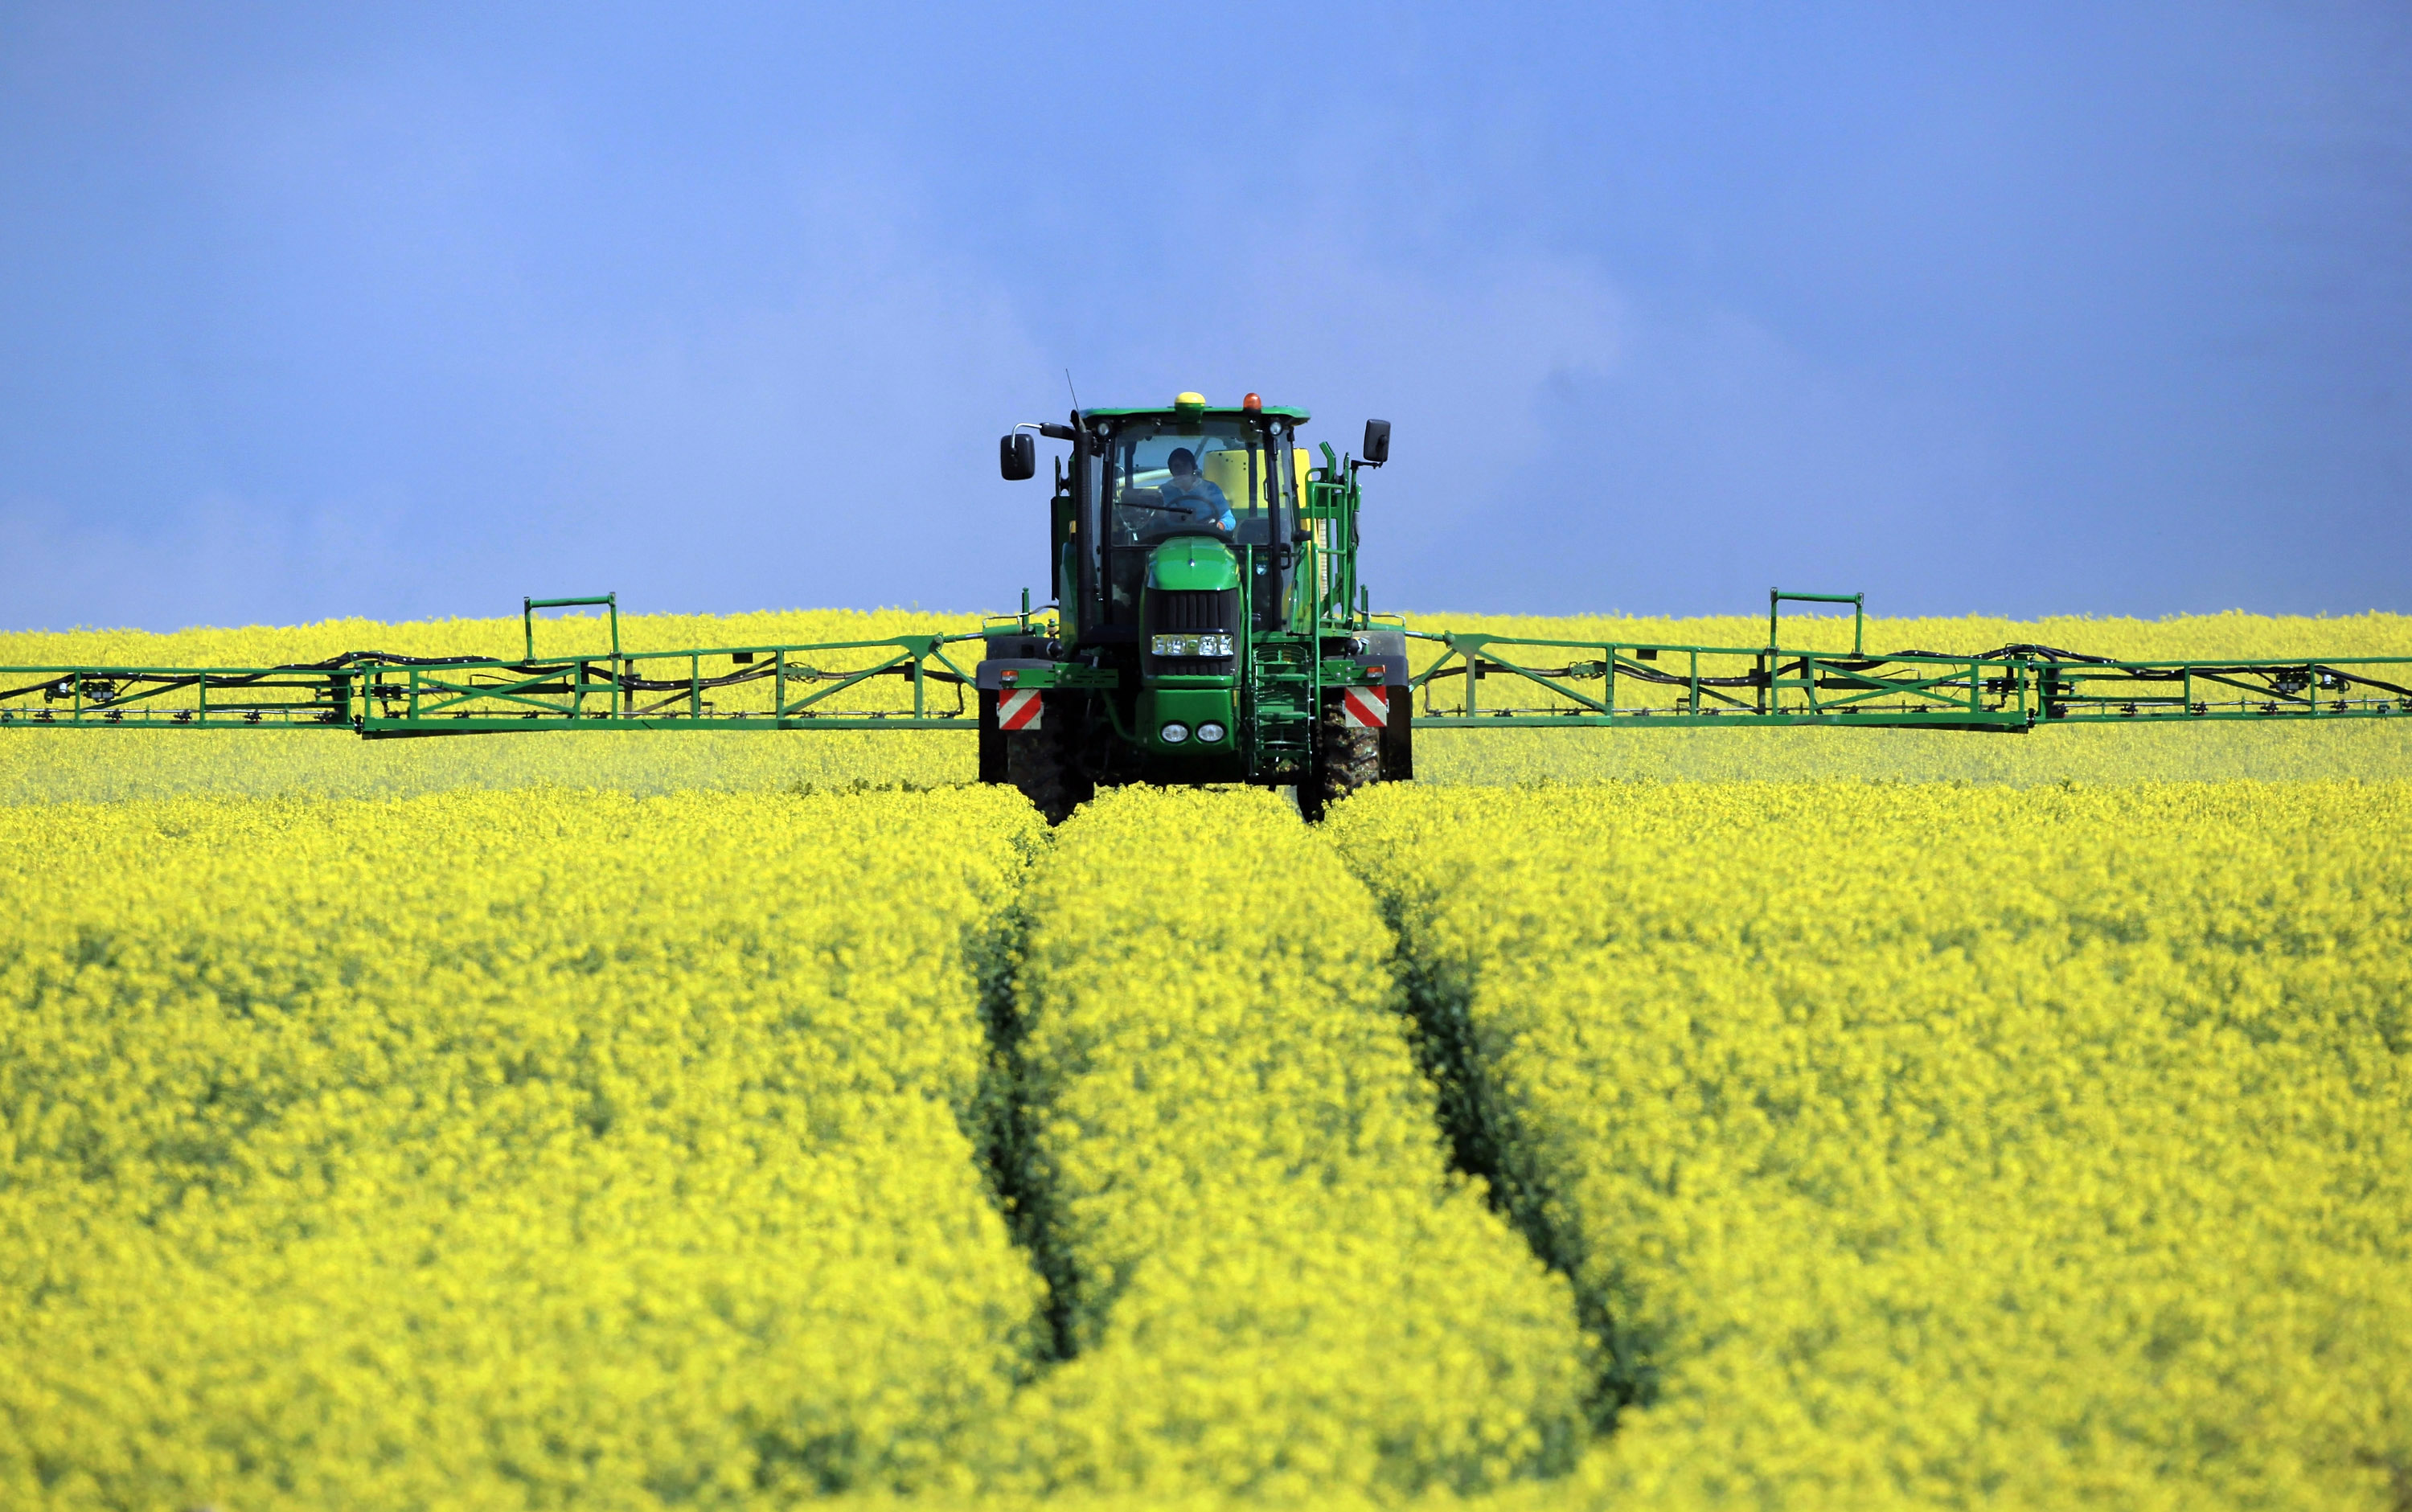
{"points": [[1189, 610], [1192, 608]]}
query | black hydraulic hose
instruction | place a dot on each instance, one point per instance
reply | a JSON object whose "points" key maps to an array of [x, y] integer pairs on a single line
{"points": [[388, 658], [333, 664], [795, 674], [1748, 680]]}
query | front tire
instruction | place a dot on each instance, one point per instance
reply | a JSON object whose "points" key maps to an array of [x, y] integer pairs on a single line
{"points": [[1346, 759], [1045, 763]]}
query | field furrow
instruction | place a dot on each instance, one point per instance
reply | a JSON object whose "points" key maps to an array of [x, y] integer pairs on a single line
{"points": [[500, 1151], [1944, 1146], [1273, 1285]]}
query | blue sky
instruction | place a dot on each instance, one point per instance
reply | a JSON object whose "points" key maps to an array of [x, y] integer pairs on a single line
{"points": [[402, 312]]}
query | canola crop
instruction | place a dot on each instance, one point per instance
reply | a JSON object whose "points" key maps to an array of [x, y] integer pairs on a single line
{"points": [[1938, 1145], [1886, 1144], [562, 634], [2371, 750], [1274, 1287], [2176, 638], [501, 1151]]}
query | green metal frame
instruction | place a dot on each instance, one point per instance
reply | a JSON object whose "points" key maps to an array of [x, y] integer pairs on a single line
{"points": [[383, 696], [529, 605], [1283, 674], [1859, 602], [1661, 686]]}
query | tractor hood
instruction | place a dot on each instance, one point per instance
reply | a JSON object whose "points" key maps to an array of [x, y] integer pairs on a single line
{"points": [[1192, 561]]}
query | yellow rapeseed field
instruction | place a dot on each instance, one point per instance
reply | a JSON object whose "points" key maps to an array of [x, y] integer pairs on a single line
{"points": [[2234, 634], [1939, 1146], [1275, 1286], [557, 633], [656, 1134], [500, 1151]]}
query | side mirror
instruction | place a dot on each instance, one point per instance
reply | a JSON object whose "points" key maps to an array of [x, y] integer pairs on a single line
{"points": [[1378, 442], [1017, 456]]}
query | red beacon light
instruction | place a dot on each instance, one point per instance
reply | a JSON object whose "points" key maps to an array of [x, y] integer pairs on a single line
{"points": [[1253, 404]]}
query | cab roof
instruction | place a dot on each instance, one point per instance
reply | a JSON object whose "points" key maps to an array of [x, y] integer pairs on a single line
{"points": [[1216, 412]]}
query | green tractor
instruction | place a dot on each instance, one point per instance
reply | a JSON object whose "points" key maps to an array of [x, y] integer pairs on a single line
{"points": [[1208, 623]]}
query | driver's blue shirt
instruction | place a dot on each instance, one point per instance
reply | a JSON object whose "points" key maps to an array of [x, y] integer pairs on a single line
{"points": [[1203, 499]]}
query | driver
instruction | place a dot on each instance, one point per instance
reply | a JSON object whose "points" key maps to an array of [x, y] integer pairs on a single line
{"points": [[1201, 500]]}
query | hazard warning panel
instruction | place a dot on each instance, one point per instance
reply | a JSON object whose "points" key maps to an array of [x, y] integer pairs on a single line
{"points": [[1018, 711], [1366, 707]]}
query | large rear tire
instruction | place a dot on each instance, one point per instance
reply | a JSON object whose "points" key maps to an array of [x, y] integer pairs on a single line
{"points": [[1346, 759], [991, 741], [1399, 739], [1045, 764]]}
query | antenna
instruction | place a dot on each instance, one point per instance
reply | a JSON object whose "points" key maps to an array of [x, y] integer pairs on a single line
{"points": [[1076, 393]]}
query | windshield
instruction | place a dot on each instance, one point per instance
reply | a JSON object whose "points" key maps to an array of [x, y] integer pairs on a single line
{"points": [[1175, 475]]}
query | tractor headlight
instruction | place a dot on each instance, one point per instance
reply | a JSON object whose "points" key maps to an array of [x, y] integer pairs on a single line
{"points": [[1210, 733], [1174, 733], [1190, 645]]}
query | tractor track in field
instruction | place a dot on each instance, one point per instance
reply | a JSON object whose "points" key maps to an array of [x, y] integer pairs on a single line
{"points": [[1483, 1143], [1467, 1111], [1004, 1138]]}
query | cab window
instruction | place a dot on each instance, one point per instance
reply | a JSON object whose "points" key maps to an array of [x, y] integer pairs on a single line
{"points": [[1170, 476]]}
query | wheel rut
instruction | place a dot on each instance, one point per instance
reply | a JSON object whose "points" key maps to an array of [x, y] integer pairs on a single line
{"points": [[1475, 1116], [1206, 1128], [1006, 1131]]}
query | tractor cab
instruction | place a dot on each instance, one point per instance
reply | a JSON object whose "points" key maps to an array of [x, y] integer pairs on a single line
{"points": [[1231, 478]]}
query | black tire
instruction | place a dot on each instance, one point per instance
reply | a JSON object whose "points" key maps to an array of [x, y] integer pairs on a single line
{"points": [[1399, 739], [991, 741], [1044, 762], [1346, 759]]}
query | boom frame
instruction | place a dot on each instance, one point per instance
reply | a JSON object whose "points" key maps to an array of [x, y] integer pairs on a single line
{"points": [[1922, 690], [1610, 684], [380, 695]]}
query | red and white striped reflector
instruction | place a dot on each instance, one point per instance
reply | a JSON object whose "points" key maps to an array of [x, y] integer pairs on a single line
{"points": [[1018, 711], [1366, 707]]}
